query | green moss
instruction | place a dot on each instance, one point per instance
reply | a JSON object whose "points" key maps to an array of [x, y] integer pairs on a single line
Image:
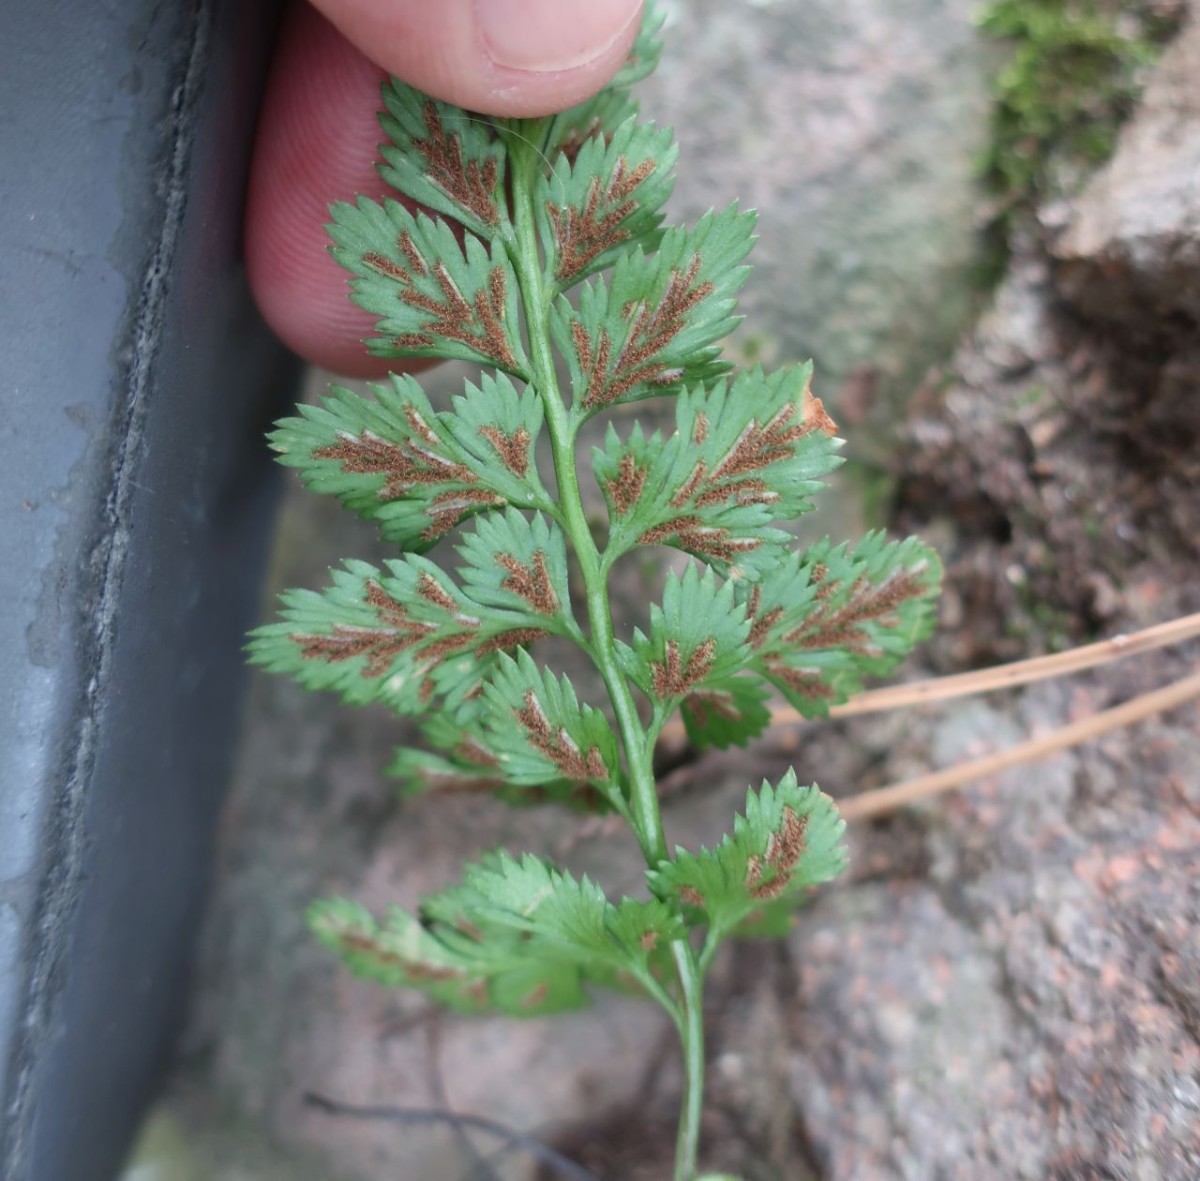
{"points": [[1076, 70]]}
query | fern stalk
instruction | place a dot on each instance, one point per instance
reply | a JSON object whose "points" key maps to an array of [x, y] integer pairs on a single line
{"points": [[639, 747], [638, 744]]}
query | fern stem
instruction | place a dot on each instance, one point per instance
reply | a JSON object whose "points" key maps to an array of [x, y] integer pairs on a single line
{"points": [[692, 1035], [536, 304], [637, 741]]}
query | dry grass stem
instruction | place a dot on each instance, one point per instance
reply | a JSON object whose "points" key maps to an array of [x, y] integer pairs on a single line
{"points": [[1009, 676], [888, 799]]}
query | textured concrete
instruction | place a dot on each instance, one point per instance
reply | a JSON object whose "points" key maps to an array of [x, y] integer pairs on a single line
{"points": [[133, 508], [852, 127]]}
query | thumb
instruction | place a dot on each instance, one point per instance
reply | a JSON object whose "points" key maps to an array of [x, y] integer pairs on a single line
{"points": [[499, 57]]}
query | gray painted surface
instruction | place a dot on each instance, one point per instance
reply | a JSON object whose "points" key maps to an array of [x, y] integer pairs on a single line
{"points": [[133, 505]]}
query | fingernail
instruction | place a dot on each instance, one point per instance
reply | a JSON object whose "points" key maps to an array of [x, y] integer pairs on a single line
{"points": [[551, 35]]}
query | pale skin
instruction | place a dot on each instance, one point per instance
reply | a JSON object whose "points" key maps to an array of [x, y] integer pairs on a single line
{"points": [[318, 134]]}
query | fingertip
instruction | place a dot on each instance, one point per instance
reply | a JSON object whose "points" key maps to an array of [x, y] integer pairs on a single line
{"points": [[499, 57]]}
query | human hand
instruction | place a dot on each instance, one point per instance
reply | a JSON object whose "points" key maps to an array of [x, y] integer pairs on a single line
{"points": [[318, 135]]}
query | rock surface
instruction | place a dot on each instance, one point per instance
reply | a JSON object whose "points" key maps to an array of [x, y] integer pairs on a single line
{"points": [[1061, 446], [1135, 234], [852, 126], [1011, 989]]}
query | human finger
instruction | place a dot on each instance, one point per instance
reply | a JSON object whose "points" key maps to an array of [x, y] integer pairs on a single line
{"points": [[317, 143], [500, 57]]}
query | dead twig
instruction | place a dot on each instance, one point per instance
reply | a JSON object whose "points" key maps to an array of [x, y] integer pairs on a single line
{"points": [[887, 799], [1009, 676], [988, 680], [1006, 676], [480, 1168]]}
